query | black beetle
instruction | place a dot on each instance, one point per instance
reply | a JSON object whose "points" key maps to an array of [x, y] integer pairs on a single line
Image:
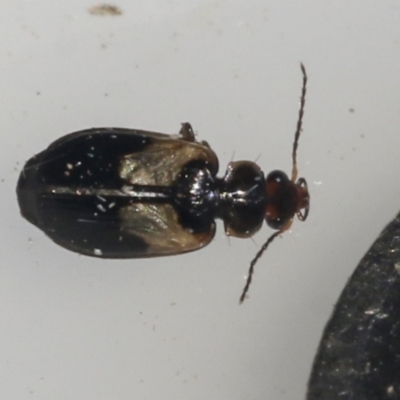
{"points": [[125, 193]]}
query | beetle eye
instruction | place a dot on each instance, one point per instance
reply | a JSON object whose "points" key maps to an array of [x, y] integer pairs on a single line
{"points": [[273, 218], [276, 177]]}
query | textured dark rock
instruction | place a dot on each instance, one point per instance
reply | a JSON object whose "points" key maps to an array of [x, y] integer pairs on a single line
{"points": [[359, 354]]}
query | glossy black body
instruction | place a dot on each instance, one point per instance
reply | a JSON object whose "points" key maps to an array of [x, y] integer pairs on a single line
{"points": [[121, 193], [124, 193]]}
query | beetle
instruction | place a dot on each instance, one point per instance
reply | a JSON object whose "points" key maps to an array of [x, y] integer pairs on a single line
{"points": [[126, 193]]}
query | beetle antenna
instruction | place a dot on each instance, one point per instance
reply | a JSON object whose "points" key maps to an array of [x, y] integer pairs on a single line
{"points": [[299, 123], [258, 256], [253, 263]]}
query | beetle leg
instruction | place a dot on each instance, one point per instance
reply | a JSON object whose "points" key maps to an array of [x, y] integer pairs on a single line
{"points": [[187, 132]]}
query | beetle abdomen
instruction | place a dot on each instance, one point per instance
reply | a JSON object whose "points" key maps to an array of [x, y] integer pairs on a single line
{"points": [[110, 193]]}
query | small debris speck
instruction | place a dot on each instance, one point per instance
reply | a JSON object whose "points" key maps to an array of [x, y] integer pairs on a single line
{"points": [[397, 267], [105, 10]]}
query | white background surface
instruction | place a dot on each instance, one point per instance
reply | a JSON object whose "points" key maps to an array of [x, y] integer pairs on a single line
{"points": [[73, 327]]}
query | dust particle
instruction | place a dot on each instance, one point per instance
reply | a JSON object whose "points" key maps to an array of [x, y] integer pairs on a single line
{"points": [[105, 10]]}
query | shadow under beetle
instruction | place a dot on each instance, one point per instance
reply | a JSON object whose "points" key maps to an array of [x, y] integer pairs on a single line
{"points": [[126, 193]]}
